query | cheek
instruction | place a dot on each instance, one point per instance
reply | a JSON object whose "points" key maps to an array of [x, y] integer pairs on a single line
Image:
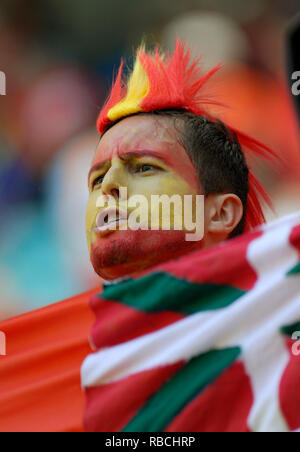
{"points": [[169, 184], [91, 213], [166, 184], [187, 174], [173, 184]]}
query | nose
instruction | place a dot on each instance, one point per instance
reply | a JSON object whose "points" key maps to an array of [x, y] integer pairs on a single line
{"points": [[113, 180]]}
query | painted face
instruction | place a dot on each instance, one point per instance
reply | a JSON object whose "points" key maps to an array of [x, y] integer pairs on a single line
{"points": [[141, 154]]}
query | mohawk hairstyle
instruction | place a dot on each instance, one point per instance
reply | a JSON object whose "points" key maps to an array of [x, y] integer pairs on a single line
{"points": [[159, 83]]}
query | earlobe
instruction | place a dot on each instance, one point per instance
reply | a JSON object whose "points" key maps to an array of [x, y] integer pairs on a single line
{"points": [[225, 212]]}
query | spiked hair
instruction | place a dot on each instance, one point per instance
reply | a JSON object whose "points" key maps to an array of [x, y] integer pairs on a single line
{"points": [[164, 83]]}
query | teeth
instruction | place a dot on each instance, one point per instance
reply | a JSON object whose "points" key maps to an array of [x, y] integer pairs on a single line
{"points": [[110, 216], [112, 220]]}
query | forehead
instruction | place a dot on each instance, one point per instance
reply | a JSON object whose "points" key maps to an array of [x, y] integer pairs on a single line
{"points": [[142, 132]]}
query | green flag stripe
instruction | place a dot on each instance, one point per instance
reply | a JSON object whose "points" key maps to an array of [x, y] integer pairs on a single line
{"points": [[290, 329], [181, 389], [295, 270], [162, 292]]}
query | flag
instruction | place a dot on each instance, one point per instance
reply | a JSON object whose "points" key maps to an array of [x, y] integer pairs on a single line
{"points": [[40, 375], [209, 342]]}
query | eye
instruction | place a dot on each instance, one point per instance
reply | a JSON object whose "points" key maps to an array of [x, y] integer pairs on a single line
{"points": [[145, 168], [97, 182]]}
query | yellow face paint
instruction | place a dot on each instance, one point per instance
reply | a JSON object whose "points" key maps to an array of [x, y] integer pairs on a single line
{"points": [[142, 154]]}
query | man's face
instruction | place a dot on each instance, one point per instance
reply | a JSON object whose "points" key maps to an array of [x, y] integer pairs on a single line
{"points": [[142, 154]]}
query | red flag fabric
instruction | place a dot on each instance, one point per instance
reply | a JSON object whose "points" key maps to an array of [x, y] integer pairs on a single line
{"points": [[40, 374]]}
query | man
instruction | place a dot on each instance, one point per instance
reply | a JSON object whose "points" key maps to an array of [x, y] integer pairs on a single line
{"points": [[177, 337], [190, 335], [158, 139]]}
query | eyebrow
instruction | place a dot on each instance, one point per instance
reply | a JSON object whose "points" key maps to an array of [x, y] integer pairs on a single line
{"points": [[128, 156], [95, 168]]}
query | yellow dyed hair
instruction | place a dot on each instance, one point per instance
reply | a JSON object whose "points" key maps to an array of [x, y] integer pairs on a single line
{"points": [[138, 88]]}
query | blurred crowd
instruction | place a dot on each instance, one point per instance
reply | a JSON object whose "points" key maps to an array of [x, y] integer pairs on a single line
{"points": [[59, 58]]}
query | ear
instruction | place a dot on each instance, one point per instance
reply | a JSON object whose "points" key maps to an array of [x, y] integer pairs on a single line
{"points": [[223, 214]]}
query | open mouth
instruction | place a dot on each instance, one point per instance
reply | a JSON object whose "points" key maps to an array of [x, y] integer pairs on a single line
{"points": [[110, 219]]}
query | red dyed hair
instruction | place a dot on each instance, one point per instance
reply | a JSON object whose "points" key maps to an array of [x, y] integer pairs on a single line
{"points": [[176, 82]]}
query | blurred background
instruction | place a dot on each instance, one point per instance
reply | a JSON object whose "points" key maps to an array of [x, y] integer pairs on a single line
{"points": [[59, 57]]}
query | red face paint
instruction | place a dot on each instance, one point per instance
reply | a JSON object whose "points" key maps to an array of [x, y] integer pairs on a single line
{"points": [[147, 135], [128, 252]]}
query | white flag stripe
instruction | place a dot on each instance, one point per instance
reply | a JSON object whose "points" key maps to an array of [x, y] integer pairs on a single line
{"points": [[271, 255], [266, 357], [189, 337]]}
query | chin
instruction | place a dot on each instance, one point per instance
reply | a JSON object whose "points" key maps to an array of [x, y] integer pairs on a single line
{"points": [[124, 253]]}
